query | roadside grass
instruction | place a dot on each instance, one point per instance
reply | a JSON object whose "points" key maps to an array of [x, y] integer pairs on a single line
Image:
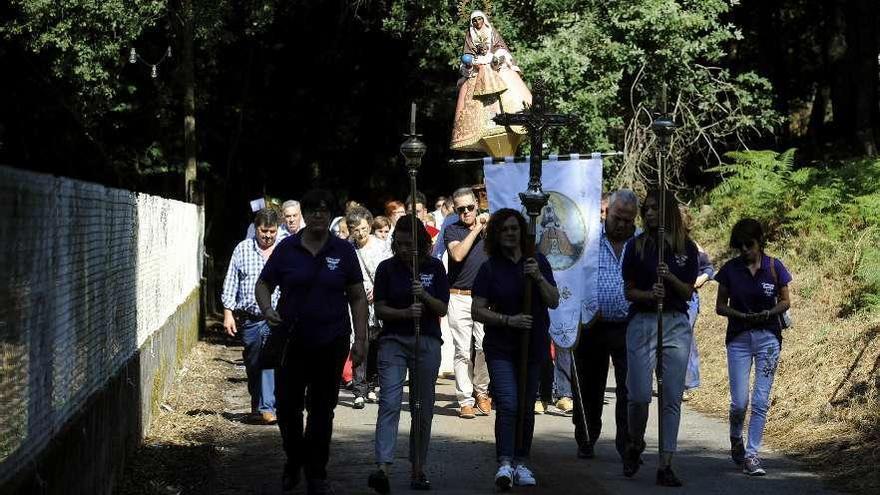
{"points": [[826, 396]]}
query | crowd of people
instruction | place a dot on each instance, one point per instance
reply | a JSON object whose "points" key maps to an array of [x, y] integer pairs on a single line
{"points": [[307, 290]]}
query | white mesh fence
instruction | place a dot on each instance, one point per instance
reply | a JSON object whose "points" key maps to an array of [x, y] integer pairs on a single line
{"points": [[87, 274]]}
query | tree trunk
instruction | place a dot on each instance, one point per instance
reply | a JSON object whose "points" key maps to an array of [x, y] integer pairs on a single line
{"points": [[189, 101], [862, 39]]}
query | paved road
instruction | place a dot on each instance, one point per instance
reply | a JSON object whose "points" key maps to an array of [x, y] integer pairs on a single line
{"points": [[462, 455]]}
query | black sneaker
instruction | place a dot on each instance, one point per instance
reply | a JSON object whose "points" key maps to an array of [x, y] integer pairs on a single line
{"points": [[289, 477], [420, 483], [586, 451], [667, 477], [737, 450], [319, 487], [378, 481], [632, 457]]}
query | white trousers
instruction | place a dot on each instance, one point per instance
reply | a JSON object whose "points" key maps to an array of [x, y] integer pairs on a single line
{"points": [[470, 376]]}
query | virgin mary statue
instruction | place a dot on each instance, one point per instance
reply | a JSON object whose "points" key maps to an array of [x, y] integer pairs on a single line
{"points": [[490, 84]]}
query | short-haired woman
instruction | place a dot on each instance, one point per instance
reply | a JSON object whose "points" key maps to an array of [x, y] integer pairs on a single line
{"points": [[394, 209], [394, 291], [381, 227], [320, 281], [753, 295], [676, 273], [498, 303]]}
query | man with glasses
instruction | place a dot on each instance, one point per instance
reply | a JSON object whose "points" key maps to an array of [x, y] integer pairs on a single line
{"points": [[464, 241]]}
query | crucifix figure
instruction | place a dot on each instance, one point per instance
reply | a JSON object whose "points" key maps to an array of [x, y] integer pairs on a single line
{"points": [[536, 120]]}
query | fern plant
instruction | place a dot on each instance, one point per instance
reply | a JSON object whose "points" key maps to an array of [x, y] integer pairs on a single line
{"points": [[757, 184]]}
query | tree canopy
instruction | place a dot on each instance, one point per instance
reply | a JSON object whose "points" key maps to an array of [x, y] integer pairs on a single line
{"points": [[292, 94]]}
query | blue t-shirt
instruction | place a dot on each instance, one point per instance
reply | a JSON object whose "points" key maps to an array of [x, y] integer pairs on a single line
{"points": [[640, 270], [462, 274], [752, 293], [313, 288], [501, 282], [440, 247], [393, 282]]}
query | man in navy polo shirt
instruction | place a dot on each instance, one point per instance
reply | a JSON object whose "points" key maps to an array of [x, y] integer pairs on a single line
{"points": [[464, 241], [320, 279]]}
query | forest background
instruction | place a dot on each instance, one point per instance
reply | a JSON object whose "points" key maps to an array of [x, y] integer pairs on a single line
{"points": [[273, 97]]}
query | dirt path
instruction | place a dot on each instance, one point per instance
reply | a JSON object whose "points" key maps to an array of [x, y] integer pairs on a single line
{"points": [[201, 443], [462, 454]]}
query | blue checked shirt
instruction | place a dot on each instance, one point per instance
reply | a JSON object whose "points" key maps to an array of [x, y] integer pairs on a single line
{"points": [[613, 305], [241, 278]]}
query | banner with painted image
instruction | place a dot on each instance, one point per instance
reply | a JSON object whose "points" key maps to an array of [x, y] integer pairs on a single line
{"points": [[568, 231]]}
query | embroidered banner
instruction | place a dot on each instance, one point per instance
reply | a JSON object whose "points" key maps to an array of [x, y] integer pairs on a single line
{"points": [[568, 231]]}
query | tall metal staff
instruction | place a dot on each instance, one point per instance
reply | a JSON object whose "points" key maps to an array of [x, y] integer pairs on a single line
{"points": [[536, 120], [663, 127], [413, 149]]}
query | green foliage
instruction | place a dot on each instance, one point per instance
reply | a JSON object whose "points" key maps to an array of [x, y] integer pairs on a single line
{"points": [[606, 61], [85, 41], [830, 213]]}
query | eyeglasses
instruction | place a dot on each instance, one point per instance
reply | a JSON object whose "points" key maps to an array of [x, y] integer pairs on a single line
{"points": [[746, 247], [318, 210], [461, 209]]}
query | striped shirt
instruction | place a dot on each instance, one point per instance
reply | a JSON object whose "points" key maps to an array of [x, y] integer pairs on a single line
{"points": [[241, 278], [612, 302]]}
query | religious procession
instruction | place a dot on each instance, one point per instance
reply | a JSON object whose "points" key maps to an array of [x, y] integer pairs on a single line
{"points": [[459, 242], [540, 266]]}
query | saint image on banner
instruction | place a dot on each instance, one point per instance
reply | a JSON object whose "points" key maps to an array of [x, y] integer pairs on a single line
{"points": [[490, 84], [562, 232]]}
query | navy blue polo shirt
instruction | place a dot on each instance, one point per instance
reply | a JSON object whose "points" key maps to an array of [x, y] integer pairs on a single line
{"points": [[501, 282], [393, 282], [313, 288], [462, 274], [752, 293], [640, 270]]}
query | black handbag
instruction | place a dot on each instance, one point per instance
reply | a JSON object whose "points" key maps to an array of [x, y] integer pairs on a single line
{"points": [[276, 342], [273, 346]]}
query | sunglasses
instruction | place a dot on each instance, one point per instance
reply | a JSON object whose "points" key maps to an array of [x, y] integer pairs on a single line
{"points": [[462, 209]]}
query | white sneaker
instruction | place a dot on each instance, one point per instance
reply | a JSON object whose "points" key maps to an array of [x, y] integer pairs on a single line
{"points": [[358, 403], [372, 397], [504, 477], [522, 476]]}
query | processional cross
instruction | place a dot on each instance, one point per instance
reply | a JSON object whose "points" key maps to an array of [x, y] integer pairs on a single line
{"points": [[536, 119]]}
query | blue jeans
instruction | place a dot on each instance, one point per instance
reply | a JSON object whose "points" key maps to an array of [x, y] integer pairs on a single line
{"points": [[761, 349], [261, 383], [394, 358], [503, 375], [641, 357], [561, 373], [692, 379]]}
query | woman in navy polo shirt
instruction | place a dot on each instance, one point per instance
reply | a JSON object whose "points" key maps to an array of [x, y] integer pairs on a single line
{"points": [[393, 292], [498, 303], [753, 295], [320, 281], [641, 271]]}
